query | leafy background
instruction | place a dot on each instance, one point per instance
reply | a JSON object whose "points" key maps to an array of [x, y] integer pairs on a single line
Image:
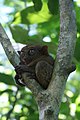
{"points": [[35, 22]]}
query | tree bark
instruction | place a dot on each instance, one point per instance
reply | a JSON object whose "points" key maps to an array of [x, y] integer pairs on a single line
{"points": [[49, 100]]}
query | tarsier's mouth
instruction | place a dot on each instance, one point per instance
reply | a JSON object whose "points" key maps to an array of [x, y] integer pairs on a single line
{"points": [[24, 61]]}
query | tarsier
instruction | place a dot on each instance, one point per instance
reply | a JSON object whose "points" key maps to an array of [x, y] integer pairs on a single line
{"points": [[37, 63]]}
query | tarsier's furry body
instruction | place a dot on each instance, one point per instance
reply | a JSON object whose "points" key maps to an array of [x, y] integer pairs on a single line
{"points": [[37, 63]]}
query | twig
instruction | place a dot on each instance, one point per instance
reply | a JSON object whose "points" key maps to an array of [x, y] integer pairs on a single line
{"points": [[13, 105]]}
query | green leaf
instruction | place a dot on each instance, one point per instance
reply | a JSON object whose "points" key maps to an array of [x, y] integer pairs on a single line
{"points": [[19, 34], [7, 79], [78, 67], [29, 16], [7, 2], [37, 5], [53, 6], [77, 115], [64, 111]]}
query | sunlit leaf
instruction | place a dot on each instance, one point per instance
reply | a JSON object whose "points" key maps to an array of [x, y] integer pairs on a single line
{"points": [[29, 16]]}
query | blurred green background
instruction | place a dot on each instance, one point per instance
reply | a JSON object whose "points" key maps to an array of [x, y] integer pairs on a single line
{"points": [[35, 22]]}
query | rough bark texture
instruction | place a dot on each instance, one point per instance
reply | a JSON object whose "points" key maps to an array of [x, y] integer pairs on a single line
{"points": [[9, 50], [49, 100]]}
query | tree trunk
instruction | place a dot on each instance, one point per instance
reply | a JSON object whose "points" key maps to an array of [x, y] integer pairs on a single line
{"points": [[49, 100]]}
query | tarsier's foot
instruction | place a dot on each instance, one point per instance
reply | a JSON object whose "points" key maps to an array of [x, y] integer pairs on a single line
{"points": [[19, 81]]}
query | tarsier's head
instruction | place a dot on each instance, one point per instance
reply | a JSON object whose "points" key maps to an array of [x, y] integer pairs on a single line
{"points": [[30, 53]]}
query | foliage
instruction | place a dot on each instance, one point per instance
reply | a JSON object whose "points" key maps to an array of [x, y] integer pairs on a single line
{"points": [[37, 22]]}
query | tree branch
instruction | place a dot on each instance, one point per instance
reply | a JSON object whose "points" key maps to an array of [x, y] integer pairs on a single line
{"points": [[14, 59], [68, 32], [67, 40], [9, 50]]}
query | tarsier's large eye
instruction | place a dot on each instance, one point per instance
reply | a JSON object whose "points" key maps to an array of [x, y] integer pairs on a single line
{"points": [[31, 52]]}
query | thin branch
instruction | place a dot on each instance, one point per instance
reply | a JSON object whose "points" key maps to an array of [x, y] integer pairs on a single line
{"points": [[9, 50], [13, 105]]}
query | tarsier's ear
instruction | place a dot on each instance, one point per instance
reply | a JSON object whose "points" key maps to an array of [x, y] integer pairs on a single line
{"points": [[19, 52], [44, 50]]}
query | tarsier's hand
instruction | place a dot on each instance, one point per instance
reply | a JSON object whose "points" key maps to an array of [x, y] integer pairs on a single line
{"points": [[20, 69], [18, 78]]}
